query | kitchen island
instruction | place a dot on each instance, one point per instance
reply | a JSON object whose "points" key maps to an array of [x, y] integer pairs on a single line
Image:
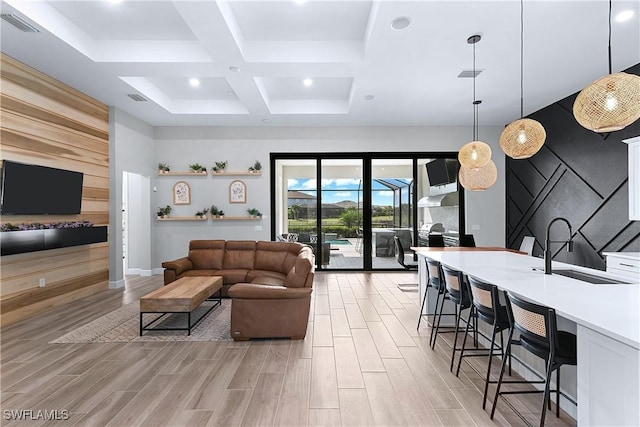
{"points": [[607, 319]]}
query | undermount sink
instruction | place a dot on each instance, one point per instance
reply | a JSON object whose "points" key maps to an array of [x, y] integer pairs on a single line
{"points": [[590, 278]]}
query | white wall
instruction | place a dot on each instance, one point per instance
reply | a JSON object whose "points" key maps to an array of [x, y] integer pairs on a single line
{"points": [[181, 146], [131, 149]]}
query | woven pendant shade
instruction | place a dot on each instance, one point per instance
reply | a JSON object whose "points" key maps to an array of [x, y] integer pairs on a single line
{"points": [[609, 104], [479, 179], [522, 138], [474, 154]]}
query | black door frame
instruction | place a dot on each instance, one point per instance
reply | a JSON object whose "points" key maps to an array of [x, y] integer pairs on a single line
{"points": [[366, 208]]}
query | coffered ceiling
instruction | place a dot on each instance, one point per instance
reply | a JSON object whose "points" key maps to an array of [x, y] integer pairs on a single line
{"points": [[251, 58]]}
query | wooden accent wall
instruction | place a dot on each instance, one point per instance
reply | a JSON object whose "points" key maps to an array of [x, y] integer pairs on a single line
{"points": [[579, 175], [45, 122]]}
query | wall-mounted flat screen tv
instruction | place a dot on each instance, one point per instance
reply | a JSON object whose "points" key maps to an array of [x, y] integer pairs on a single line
{"points": [[442, 171], [39, 190]]}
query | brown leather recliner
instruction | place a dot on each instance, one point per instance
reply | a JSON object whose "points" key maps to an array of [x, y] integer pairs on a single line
{"points": [[270, 283], [267, 308]]}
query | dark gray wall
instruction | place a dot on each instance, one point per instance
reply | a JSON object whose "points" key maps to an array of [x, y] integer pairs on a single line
{"points": [[580, 175]]}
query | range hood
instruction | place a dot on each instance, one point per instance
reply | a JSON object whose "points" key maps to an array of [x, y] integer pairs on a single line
{"points": [[448, 199]]}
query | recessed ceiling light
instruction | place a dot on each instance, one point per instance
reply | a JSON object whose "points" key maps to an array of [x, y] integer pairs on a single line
{"points": [[115, 1], [266, 121], [625, 15], [401, 23], [307, 82], [299, 1], [234, 69], [231, 93], [194, 82], [369, 97]]}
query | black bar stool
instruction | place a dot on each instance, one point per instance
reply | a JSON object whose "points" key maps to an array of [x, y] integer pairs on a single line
{"points": [[487, 307], [459, 295], [435, 281], [539, 335]]}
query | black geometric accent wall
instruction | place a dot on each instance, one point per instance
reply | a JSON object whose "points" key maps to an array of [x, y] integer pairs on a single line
{"points": [[579, 175]]}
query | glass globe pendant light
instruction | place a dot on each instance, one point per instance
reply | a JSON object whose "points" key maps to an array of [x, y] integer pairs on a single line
{"points": [[522, 138], [610, 103]]}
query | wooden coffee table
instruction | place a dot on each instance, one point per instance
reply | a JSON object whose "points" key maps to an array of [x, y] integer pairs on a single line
{"points": [[182, 296]]}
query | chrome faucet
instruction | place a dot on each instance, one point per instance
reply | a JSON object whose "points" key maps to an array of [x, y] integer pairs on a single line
{"points": [[547, 249]]}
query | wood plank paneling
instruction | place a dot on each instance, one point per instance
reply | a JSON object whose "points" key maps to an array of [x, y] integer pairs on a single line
{"points": [[45, 122]]}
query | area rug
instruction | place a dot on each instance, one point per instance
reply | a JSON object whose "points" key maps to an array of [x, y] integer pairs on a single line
{"points": [[123, 325]]}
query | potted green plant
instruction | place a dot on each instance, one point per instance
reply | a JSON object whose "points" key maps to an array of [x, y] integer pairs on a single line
{"points": [[256, 168], [215, 212], [164, 212], [197, 168], [220, 167], [202, 213], [254, 213], [163, 168]]}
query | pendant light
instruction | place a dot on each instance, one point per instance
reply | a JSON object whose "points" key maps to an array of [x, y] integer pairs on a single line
{"points": [[474, 154], [610, 103], [479, 179], [522, 138], [482, 172]]}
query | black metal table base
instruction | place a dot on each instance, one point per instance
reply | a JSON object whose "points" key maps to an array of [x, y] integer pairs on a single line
{"points": [[217, 302]]}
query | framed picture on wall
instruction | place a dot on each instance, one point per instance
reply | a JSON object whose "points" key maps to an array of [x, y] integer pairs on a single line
{"points": [[237, 192], [181, 193]]}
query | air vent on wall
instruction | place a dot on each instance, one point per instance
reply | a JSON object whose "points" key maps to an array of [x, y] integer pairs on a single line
{"points": [[20, 23], [469, 74], [136, 97]]}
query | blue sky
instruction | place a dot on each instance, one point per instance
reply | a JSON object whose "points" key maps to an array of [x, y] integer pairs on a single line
{"points": [[346, 189]]}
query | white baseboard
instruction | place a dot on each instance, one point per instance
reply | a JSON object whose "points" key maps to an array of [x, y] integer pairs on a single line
{"points": [[117, 284], [141, 272], [156, 271]]}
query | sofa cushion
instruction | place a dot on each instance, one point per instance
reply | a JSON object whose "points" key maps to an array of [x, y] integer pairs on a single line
{"points": [[239, 254], [297, 276], [232, 276], [207, 254], [197, 273], [293, 249], [268, 281], [270, 256], [265, 273]]}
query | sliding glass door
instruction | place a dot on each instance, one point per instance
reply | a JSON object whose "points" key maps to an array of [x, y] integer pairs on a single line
{"points": [[392, 212], [349, 207]]}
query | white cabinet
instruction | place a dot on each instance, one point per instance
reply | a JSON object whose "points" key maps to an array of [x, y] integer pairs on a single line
{"points": [[634, 177], [624, 264], [608, 381]]}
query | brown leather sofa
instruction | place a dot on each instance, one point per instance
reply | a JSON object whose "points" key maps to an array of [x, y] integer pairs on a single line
{"points": [[270, 283]]}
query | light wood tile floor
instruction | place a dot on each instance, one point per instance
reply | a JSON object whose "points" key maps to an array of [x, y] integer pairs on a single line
{"points": [[362, 363]]}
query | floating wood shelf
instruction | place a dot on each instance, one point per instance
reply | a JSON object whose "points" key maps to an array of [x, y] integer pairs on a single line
{"points": [[237, 218], [236, 173], [182, 218], [182, 173]]}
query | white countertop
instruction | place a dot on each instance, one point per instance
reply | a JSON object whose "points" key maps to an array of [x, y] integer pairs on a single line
{"points": [[625, 255], [613, 310]]}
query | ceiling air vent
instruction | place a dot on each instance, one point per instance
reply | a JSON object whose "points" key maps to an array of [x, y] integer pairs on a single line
{"points": [[136, 97], [20, 23], [469, 74]]}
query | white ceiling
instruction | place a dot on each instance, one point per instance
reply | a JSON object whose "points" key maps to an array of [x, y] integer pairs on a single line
{"points": [[252, 57]]}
